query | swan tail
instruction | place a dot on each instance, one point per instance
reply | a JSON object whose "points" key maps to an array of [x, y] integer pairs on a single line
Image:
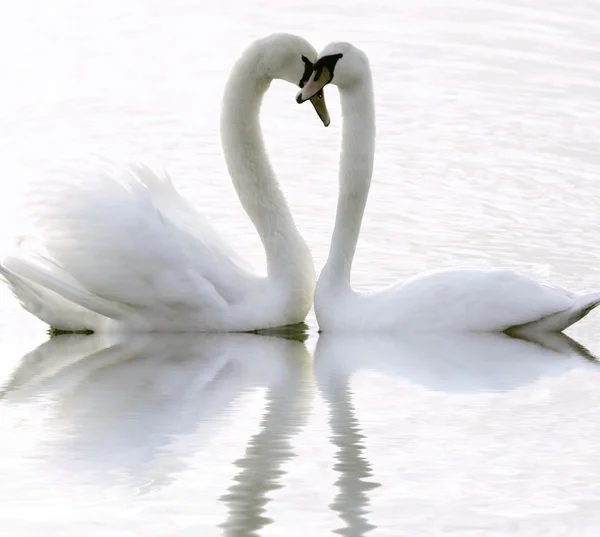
{"points": [[557, 322], [24, 274], [43, 304]]}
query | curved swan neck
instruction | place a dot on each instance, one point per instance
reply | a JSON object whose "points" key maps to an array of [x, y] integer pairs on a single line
{"points": [[253, 177], [356, 169]]}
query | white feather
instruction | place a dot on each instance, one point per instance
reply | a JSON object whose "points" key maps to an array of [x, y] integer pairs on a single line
{"points": [[120, 249], [442, 300]]}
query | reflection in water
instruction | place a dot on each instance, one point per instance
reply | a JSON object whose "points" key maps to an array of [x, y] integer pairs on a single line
{"points": [[50, 357], [286, 411], [351, 501], [128, 415], [451, 362], [119, 404], [464, 363]]}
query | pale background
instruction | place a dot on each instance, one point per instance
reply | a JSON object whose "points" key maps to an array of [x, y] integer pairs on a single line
{"points": [[487, 154]]}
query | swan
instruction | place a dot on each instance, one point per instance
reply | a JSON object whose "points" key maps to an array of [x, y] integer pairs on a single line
{"points": [[463, 299], [123, 250]]}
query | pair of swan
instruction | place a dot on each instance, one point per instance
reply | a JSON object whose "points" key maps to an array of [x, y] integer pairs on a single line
{"points": [[123, 250]]}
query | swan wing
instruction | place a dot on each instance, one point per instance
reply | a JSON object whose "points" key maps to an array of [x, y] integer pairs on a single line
{"points": [[182, 214], [107, 246]]}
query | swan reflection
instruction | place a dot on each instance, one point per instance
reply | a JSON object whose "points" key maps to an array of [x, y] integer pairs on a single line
{"points": [[451, 362], [354, 470], [455, 363], [287, 408], [115, 408]]}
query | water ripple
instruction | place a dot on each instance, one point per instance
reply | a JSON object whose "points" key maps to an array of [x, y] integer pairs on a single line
{"points": [[352, 501], [287, 407]]}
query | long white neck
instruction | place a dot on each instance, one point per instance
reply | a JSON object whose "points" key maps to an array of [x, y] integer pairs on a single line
{"points": [[356, 168], [288, 256]]}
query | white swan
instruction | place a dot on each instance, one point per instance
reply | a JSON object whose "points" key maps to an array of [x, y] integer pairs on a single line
{"points": [[126, 251], [454, 299]]}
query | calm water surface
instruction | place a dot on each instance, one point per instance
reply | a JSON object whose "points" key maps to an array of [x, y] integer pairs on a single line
{"points": [[487, 154]]}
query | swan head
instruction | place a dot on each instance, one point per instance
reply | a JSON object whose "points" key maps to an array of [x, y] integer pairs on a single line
{"points": [[341, 64], [291, 58]]}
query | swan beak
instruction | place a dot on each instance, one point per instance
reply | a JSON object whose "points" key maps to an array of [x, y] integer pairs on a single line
{"points": [[313, 91], [318, 102], [315, 84]]}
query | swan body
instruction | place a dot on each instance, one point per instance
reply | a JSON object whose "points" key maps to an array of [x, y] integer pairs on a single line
{"points": [[123, 250], [473, 300], [450, 299]]}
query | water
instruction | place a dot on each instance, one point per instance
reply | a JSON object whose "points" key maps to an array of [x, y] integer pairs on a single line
{"points": [[488, 128]]}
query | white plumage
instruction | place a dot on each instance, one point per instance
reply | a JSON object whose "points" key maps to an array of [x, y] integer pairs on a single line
{"points": [[441, 300], [121, 249]]}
